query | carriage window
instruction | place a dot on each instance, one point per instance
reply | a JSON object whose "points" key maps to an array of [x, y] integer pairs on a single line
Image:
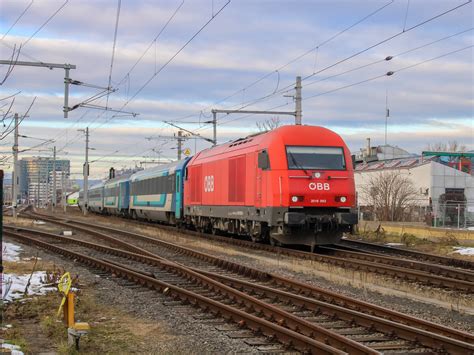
{"points": [[321, 158]]}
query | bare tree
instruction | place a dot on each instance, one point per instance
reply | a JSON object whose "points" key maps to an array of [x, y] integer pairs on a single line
{"points": [[451, 146], [268, 125], [390, 194]]}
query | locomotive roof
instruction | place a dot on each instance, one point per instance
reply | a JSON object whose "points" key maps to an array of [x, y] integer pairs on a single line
{"points": [[304, 134]]}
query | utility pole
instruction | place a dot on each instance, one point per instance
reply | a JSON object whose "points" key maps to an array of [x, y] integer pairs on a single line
{"points": [[86, 173], [297, 113], [214, 124], [63, 193], [54, 198], [15, 169], [387, 115], [298, 99], [180, 143]]}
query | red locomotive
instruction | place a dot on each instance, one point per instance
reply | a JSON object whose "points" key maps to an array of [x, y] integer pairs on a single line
{"points": [[292, 185]]}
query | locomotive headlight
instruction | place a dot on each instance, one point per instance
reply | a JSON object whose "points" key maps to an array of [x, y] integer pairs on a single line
{"points": [[294, 199], [343, 199], [317, 175]]}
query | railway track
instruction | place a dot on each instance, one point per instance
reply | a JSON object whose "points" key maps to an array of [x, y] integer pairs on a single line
{"points": [[408, 270], [444, 271], [185, 285], [396, 335], [357, 245]]}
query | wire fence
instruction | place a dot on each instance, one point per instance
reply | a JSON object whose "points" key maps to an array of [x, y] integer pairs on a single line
{"points": [[454, 215], [459, 215]]}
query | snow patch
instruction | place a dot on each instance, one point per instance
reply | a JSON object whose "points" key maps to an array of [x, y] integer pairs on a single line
{"points": [[394, 244], [464, 250], [10, 251], [15, 349], [13, 286]]}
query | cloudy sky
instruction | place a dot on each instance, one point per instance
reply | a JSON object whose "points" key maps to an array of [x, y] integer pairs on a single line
{"points": [[170, 66]]}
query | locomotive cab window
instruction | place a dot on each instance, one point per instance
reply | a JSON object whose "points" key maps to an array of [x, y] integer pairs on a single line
{"points": [[263, 160], [320, 158]]}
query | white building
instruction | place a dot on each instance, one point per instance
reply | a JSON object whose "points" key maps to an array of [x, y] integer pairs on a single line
{"points": [[430, 179]]}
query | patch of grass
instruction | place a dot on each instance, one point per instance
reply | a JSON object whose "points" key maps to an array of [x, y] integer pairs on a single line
{"points": [[14, 336], [25, 267], [449, 240], [54, 328], [412, 240], [65, 349]]}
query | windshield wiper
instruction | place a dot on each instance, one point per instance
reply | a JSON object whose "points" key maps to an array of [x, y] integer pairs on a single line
{"points": [[295, 163]]}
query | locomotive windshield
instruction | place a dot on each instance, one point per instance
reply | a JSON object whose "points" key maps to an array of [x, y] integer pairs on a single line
{"points": [[321, 158]]}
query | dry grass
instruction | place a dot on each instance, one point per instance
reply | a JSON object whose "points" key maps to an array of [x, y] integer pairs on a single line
{"points": [[112, 330], [25, 266]]}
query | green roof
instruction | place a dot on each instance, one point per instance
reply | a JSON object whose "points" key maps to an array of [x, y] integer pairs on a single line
{"points": [[448, 154]]}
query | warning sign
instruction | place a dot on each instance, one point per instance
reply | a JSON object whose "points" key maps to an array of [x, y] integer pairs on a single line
{"points": [[187, 152]]}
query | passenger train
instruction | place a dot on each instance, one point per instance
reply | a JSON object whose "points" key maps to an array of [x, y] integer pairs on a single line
{"points": [[291, 185]]}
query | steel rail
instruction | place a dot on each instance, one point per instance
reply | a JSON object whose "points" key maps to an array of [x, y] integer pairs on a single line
{"points": [[430, 268], [267, 311], [304, 289], [359, 265], [284, 335], [425, 338], [466, 264]]}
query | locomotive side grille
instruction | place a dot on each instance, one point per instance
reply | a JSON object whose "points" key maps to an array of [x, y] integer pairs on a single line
{"points": [[237, 179]]}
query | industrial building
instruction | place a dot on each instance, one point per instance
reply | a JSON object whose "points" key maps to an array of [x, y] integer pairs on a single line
{"points": [[36, 178], [444, 192]]}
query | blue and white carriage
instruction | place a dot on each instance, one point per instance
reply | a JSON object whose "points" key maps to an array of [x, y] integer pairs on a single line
{"points": [[95, 198], [117, 195], [156, 194]]}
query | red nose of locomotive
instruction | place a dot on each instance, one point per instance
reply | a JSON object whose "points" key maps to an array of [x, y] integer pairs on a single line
{"points": [[319, 176], [314, 188]]}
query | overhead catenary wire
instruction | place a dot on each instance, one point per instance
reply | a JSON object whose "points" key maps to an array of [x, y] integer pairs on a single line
{"points": [[373, 78], [109, 86], [278, 69], [18, 19], [391, 57], [8, 97], [6, 133], [285, 89], [154, 41], [156, 73], [45, 23]]}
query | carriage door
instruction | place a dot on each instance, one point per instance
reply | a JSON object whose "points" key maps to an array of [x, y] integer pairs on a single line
{"points": [[178, 195], [262, 164]]}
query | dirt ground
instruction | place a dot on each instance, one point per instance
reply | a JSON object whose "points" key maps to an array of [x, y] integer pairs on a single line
{"points": [[32, 322]]}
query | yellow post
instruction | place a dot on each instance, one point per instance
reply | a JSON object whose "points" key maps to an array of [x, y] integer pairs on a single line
{"points": [[74, 330], [69, 310]]}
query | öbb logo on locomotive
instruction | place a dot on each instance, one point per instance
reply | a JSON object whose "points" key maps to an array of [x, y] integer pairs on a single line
{"points": [[319, 186], [209, 183]]}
